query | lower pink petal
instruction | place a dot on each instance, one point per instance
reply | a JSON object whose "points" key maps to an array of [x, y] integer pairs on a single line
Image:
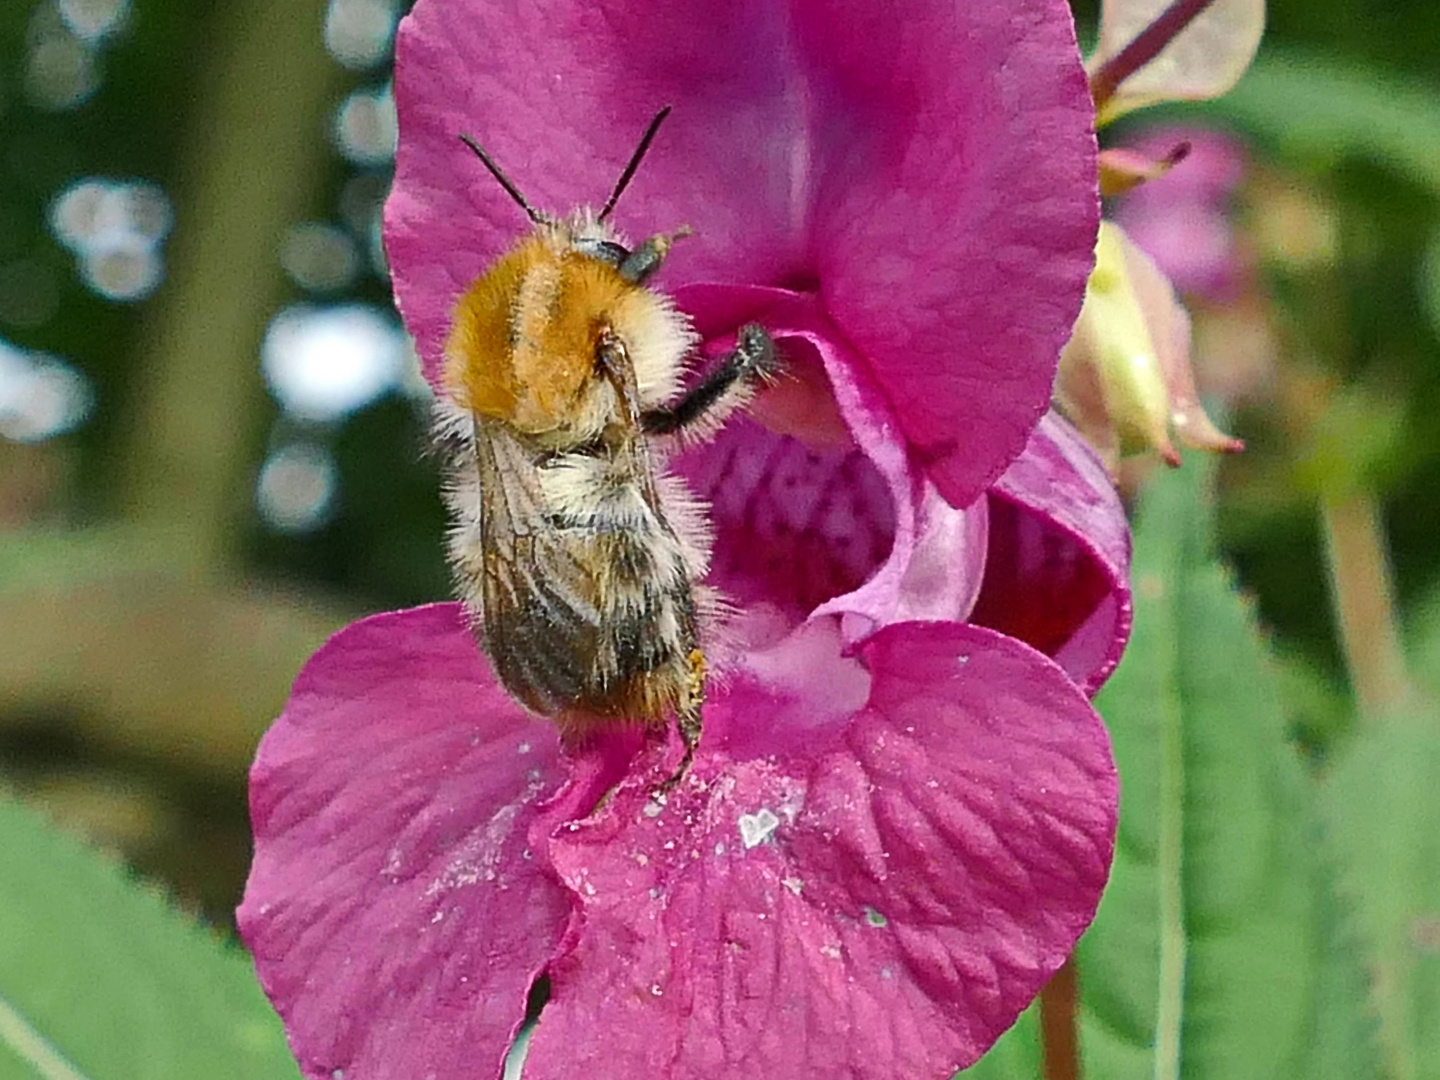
{"points": [[869, 897], [395, 911], [1057, 576]]}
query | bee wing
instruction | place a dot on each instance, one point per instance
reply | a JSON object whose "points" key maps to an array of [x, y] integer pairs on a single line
{"points": [[539, 618]]}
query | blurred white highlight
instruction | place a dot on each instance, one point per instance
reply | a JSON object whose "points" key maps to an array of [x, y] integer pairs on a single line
{"points": [[94, 20], [40, 396], [296, 488], [358, 33], [117, 230], [323, 363], [366, 128], [319, 257]]}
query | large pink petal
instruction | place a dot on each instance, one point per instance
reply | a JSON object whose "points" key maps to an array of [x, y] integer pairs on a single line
{"points": [[866, 897], [931, 177], [395, 912], [955, 207], [1058, 574]]}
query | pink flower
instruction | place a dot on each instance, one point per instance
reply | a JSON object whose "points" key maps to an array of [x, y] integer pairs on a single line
{"points": [[902, 813]]}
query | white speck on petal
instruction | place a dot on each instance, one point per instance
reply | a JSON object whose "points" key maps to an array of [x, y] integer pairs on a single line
{"points": [[758, 827]]}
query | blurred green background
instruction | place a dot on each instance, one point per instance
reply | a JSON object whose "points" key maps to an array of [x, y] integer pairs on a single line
{"points": [[211, 431]]}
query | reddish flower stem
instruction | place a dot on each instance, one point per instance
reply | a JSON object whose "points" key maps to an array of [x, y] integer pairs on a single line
{"points": [[1145, 47], [1059, 1017]]}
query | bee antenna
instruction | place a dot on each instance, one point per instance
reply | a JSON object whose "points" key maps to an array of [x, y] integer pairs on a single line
{"points": [[505, 181], [635, 159]]}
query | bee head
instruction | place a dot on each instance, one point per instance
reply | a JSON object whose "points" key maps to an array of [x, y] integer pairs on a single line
{"points": [[529, 338]]}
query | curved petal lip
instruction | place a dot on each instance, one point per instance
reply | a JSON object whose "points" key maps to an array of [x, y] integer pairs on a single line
{"points": [[1059, 569]]}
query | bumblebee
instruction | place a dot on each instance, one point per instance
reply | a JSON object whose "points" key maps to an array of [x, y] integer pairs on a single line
{"points": [[578, 556]]}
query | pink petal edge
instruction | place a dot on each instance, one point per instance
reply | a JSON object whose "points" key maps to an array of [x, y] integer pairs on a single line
{"points": [[785, 508], [394, 909]]}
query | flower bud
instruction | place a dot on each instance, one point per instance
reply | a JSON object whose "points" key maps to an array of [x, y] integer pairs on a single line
{"points": [[1125, 379], [1122, 170]]}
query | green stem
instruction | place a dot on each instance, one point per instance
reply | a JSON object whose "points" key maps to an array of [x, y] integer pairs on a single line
{"points": [[1169, 1012], [1364, 600], [32, 1048], [255, 151]]}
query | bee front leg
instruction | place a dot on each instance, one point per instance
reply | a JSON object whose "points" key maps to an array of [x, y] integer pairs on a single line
{"points": [[727, 387]]}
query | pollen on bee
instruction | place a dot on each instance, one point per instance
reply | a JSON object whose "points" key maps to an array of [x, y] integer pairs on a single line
{"points": [[522, 345]]}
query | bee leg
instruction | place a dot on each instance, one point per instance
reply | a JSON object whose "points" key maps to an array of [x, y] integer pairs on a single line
{"points": [[620, 372], [688, 723], [640, 264], [687, 720], [727, 387]]}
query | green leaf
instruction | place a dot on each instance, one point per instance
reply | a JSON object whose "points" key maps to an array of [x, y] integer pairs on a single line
{"points": [[1422, 640], [1382, 806], [100, 980], [1323, 110], [1347, 1043], [1210, 958]]}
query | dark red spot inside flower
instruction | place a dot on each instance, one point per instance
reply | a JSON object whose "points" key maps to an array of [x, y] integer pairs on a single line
{"points": [[1040, 585], [794, 526]]}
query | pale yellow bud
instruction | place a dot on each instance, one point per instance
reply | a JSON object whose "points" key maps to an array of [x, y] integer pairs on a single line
{"points": [[1125, 377]]}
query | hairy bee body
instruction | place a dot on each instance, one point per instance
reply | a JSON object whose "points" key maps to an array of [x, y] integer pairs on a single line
{"points": [[577, 554]]}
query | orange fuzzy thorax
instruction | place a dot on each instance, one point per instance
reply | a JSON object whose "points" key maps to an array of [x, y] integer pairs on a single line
{"points": [[522, 346]]}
